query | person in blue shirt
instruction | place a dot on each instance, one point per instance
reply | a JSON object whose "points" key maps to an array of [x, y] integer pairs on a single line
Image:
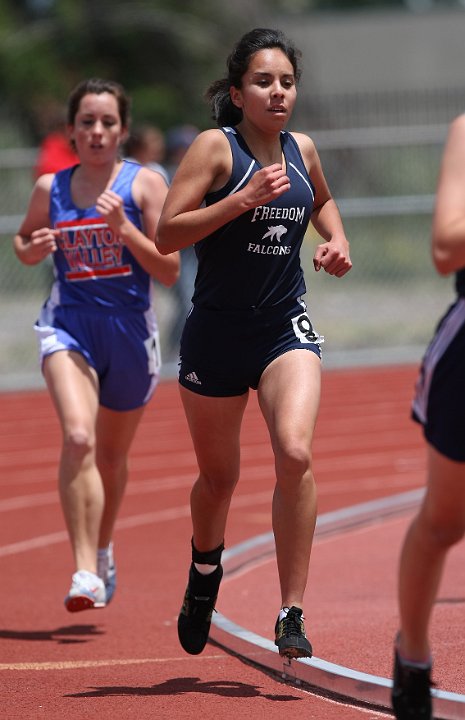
{"points": [[97, 332], [243, 195]]}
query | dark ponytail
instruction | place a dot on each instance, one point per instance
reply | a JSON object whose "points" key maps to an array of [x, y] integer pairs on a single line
{"points": [[224, 112]]}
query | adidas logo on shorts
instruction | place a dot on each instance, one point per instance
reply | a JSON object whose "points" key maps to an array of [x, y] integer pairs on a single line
{"points": [[192, 377]]}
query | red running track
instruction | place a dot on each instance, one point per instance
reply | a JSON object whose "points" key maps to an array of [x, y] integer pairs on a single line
{"points": [[125, 661]]}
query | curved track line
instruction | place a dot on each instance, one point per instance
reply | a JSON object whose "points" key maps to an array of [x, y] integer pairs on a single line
{"points": [[315, 673]]}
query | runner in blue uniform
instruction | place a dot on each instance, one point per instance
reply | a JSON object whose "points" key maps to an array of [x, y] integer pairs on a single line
{"points": [[97, 331], [243, 195], [439, 405]]}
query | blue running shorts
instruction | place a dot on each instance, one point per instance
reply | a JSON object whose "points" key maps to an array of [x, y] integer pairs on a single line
{"points": [[439, 402], [224, 353], [122, 346]]}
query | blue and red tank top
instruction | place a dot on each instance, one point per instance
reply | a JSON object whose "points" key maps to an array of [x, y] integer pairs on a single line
{"points": [[92, 267]]}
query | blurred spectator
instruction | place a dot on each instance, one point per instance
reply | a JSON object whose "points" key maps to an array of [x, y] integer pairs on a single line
{"points": [[178, 140], [55, 150], [146, 145]]}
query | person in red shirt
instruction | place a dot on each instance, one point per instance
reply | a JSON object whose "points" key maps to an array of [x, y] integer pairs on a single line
{"points": [[55, 150]]}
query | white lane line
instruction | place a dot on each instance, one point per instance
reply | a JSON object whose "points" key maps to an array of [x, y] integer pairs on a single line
{"points": [[73, 665], [141, 487], [151, 518]]}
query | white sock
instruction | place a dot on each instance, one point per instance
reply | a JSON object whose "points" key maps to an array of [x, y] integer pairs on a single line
{"points": [[422, 665], [283, 612], [425, 664], [104, 560], [106, 552], [205, 569]]}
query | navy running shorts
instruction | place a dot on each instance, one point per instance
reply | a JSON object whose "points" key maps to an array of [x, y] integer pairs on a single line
{"points": [[122, 346], [224, 353], [439, 401]]}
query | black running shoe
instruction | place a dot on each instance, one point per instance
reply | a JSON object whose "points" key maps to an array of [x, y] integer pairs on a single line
{"points": [[196, 613], [290, 635], [411, 692]]}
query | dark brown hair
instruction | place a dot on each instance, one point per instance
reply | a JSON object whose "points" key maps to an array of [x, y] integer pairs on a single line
{"points": [[97, 86], [223, 109]]}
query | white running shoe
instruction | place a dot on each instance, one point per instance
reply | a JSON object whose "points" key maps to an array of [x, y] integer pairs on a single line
{"points": [[87, 591], [106, 570]]}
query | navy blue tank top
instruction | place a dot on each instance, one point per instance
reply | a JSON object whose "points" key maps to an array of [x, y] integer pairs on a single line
{"points": [[254, 261], [460, 283]]}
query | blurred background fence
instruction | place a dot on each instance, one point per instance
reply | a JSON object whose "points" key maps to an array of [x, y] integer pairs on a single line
{"points": [[381, 154]]}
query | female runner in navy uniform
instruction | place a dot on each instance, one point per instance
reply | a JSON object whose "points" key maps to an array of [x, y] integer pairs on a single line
{"points": [[97, 331], [248, 327], [439, 405]]}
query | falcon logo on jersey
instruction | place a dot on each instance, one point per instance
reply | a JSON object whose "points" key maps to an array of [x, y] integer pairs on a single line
{"points": [[275, 232]]}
